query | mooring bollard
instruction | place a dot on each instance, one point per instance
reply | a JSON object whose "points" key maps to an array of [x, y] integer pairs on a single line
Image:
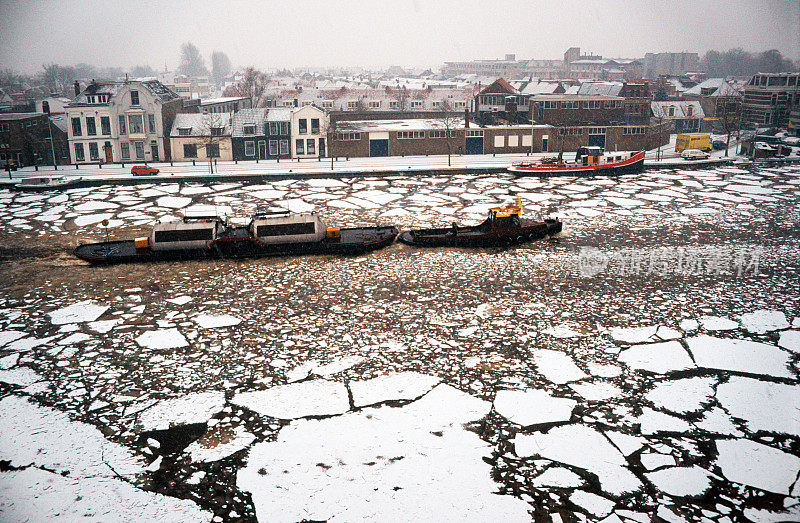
{"points": [[193, 164], [36, 167], [76, 166]]}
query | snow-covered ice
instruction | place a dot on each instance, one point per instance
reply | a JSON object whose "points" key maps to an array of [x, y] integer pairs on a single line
{"points": [[77, 313], [398, 386], [659, 358], [192, 408], [532, 407], [683, 395], [219, 442], [680, 481], [557, 366], [162, 339], [762, 405], [740, 355], [212, 321], [750, 463], [297, 400], [762, 321]]}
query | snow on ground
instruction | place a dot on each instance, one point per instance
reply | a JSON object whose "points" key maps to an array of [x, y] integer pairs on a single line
{"points": [[186, 410], [400, 386], [297, 400], [40, 495], [415, 462], [532, 407]]}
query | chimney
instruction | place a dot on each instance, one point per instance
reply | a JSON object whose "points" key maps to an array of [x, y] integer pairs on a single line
{"points": [[77, 88], [466, 118]]}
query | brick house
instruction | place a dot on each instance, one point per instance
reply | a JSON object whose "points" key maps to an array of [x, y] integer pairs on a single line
{"points": [[769, 99], [25, 139]]}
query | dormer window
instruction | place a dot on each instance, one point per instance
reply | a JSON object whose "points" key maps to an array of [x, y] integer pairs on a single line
{"points": [[249, 129], [689, 110], [184, 131], [90, 99], [216, 131], [134, 97]]}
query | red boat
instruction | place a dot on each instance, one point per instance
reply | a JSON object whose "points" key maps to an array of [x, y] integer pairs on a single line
{"points": [[589, 161]]}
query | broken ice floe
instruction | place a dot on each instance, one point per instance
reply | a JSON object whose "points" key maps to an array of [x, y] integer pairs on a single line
{"points": [[211, 321], [556, 366], [758, 403], [762, 321], [414, 462], [680, 481], [219, 442], [584, 447], [532, 407], [297, 400], [162, 339], [740, 355], [77, 313], [398, 386], [186, 410], [643, 334], [682, 396], [659, 358], [750, 463]]}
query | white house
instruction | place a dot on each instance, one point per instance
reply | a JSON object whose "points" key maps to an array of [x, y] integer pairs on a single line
{"points": [[309, 126], [121, 122]]}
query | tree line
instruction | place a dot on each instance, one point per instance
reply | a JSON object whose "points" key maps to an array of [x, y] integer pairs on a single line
{"points": [[738, 62]]}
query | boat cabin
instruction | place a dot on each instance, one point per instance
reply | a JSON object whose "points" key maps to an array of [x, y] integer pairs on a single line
{"points": [[273, 228], [190, 233], [505, 216]]}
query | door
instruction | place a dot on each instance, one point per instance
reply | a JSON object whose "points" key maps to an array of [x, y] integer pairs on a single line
{"points": [[109, 152], [379, 147], [321, 149], [598, 140], [544, 144], [474, 145], [262, 149], [154, 149]]}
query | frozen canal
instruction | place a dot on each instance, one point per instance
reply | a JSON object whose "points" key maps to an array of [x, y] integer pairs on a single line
{"points": [[644, 364]]}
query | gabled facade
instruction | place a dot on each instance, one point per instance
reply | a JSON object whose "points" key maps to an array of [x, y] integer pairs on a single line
{"points": [[309, 126], [201, 137], [684, 116], [260, 134], [121, 122]]}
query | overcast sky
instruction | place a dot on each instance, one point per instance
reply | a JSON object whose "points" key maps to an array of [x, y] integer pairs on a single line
{"points": [[379, 33]]}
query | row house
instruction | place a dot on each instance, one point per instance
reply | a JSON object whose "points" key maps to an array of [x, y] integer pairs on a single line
{"points": [[387, 99], [262, 133], [228, 104], [251, 134], [683, 116], [201, 137], [501, 100], [770, 99], [121, 121], [25, 139]]}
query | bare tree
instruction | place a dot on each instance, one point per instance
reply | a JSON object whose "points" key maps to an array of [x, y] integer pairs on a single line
{"points": [[728, 111], [448, 119], [330, 130], [209, 135], [252, 85], [401, 96]]}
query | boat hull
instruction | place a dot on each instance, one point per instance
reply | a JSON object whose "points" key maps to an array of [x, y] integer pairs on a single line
{"points": [[632, 165], [475, 237], [357, 240]]}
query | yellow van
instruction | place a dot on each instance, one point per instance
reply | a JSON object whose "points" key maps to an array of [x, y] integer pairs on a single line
{"points": [[693, 141]]}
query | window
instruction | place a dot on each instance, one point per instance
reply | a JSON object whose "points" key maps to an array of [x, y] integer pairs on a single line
{"points": [[441, 134], [91, 130], [212, 150], [591, 104], [306, 103], [273, 147], [139, 147], [125, 147], [249, 130], [500, 141], [273, 128], [76, 127], [105, 125], [134, 97], [569, 131], [460, 105], [327, 104], [284, 147], [474, 133], [249, 148], [189, 150], [93, 153], [216, 131], [633, 130], [549, 105], [670, 111], [346, 137], [184, 131], [352, 105], [416, 104], [151, 123], [135, 123], [394, 104], [79, 152], [374, 104], [310, 148], [122, 124], [303, 123], [4, 127], [299, 146], [689, 110], [90, 99], [284, 127], [315, 126], [410, 135], [597, 130]]}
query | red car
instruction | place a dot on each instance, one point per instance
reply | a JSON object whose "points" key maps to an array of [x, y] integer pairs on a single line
{"points": [[143, 170]]}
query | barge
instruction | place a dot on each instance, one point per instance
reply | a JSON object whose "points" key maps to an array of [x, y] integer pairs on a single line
{"points": [[267, 234], [589, 161], [503, 227]]}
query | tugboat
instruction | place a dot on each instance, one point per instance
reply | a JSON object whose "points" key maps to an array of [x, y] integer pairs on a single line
{"points": [[47, 183], [268, 234], [588, 161], [503, 227]]}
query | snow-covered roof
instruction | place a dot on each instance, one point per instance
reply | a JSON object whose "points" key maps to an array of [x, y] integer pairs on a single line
{"points": [[244, 117], [279, 114], [413, 124], [600, 88], [7, 117], [719, 85], [159, 91], [540, 87], [221, 100], [681, 109], [199, 124]]}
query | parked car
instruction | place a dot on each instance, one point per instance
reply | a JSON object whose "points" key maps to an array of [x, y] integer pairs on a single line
{"points": [[718, 145], [143, 170], [694, 154]]}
